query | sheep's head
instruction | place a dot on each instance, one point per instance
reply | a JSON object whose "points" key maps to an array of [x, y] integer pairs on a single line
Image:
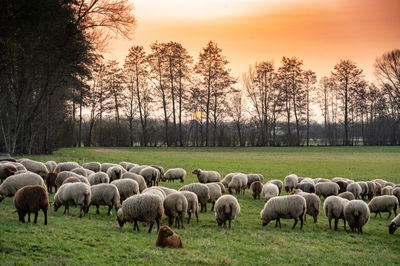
{"points": [[2, 198], [56, 205], [9, 170], [230, 189], [50, 176], [392, 228], [196, 171], [265, 221], [296, 191], [182, 180], [165, 231], [219, 221], [120, 218]]}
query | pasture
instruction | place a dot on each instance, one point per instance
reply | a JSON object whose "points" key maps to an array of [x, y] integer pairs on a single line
{"points": [[98, 239]]}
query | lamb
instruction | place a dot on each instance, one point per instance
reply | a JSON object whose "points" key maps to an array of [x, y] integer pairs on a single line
{"points": [[342, 185], [357, 214], [227, 179], [238, 183], [143, 208], [371, 189], [256, 187], [306, 187], [313, 202], [326, 189], [11, 185], [166, 190], [269, 191], [93, 166], [105, 166], [193, 204], [166, 238], [151, 175], [175, 173], [396, 193], [202, 192], [137, 178], [254, 177], [30, 199], [333, 208], [287, 207], [155, 191], [290, 182], [175, 207], [35, 167], [80, 171], [115, 172], [66, 166], [104, 194], [278, 183], [215, 193], [387, 190], [207, 176], [7, 170], [98, 178], [126, 188], [71, 179], [226, 209], [394, 224], [73, 194], [386, 203], [354, 188], [51, 166], [347, 195]]}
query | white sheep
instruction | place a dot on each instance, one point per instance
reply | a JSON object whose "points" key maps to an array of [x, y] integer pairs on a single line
{"points": [[278, 183], [327, 189], [138, 178], [64, 175], [151, 175], [238, 183], [66, 166], [175, 208], [385, 203], [193, 204], [167, 190], [105, 166], [35, 167], [14, 182], [51, 166], [104, 194], [155, 191], [98, 178], [215, 193], [227, 179], [73, 194], [80, 171], [254, 177], [387, 190], [115, 172], [313, 203], [356, 213], [290, 182], [207, 176], [333, 208], [202, 192], [354, 188], [394, 224], [93, 166], [226, 209], [347, 195], [175, 173], [269, 191], [137, 169], [126, 187]]}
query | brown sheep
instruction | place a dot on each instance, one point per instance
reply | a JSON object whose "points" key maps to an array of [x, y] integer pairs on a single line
{"points": [[6, 171], [31, 198], [342, 185], [168, 239], [50, 179], [256, 187]]}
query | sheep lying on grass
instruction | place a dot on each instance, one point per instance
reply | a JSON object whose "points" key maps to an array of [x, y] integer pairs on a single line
{"points": [[166, 238]]}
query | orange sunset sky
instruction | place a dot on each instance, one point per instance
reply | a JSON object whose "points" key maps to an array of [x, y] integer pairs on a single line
{"points": [[320, 32]]}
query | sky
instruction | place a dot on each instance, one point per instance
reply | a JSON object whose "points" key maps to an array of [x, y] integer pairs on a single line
{"points": [[319, 32]]}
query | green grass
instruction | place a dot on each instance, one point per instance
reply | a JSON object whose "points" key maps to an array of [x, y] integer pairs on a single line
{"points": [[97, 239]]}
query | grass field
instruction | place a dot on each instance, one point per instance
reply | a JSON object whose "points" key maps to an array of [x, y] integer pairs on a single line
{"points": [[97, 239]]}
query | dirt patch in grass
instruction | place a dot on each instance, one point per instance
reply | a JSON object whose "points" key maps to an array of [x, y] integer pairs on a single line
{"points": [[103, 150]]}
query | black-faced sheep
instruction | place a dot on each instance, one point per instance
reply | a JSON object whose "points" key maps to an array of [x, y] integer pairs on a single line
{"points": [[104, 194], [12, 183], [31, 199], [385, 203], [207, 176], [287, 207], [143, 208], [226, 209], [175, 208], [334, 209], [175, 173], [202, 192], [256, 188], [166, 238], [356, 213], [290, 182], [342, 185], [313, 203], [269, 191], [126, 188], [326, 189], [394, 224], [73, 194], [193, 204], [138, 178]]}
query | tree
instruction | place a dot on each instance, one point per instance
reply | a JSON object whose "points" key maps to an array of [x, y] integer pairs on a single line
{"points": [[309, 80], [347, 77], [237, 114]]}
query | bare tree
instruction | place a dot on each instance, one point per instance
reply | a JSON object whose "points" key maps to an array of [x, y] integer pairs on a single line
{"points": [[309, 80]]}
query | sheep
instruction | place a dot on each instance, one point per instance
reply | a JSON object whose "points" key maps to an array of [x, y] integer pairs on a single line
{"points": [[390, 184], [166, 190], [306, 187], [228, 179], [313, 203], [347, 195], [155, 191], [175, 208], [137, 169], [226, 209], [151, 175], [215, 193], [71, 179], [19, 166], [160, 169], [207, 176], [64, 175], [12, 183], [256, 187], [278, 183], [98, 178], [35, 167], [202, 192], [387, 190], [394, 224], [396, 193], [126, 188], [73, 194], [138, 178], [66, 166], [7, 170], [290, 182], [287, 207], [380, 182], [238, 183], [104, 194], [326, 189], [321, 180], [254, 177], [221, 186], [306, 180], [385, 203], [364, 189], [193, 204], [175, 173], [30, 199], [143, 208], [333, 208], [354, 188], [127, 165], [371, 189], [269, 191], [378, 189], [80, 171], [50, 179], [342, 185], [105, 166], [115, 172], [93, 166], [357, 214], [166, 238], [51, 166]]}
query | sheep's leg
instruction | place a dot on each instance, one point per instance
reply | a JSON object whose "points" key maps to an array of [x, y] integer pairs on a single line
{"points": [[109, 210], [177, 222], [97, 209], [301, 221], [305, 218], [224, 224], [190, 214], [68, 210], [21, 217], [336, 223], [65, 209], [212, 208], [230, 224], [201, 204], [205, 207], [182, 222], [380, 216], [197, 217], [390, 213], [80, 211], [45, 216], [295, 223], [36, 215], [344, 224], [315, 218], [330, 225], [151, 227], [376, 213], [360, 229], [136, 226], [280, 225], [276, 223], [170, 221]]}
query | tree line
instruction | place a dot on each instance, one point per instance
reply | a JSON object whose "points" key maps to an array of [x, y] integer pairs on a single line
{"points": [[57, 90]]}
